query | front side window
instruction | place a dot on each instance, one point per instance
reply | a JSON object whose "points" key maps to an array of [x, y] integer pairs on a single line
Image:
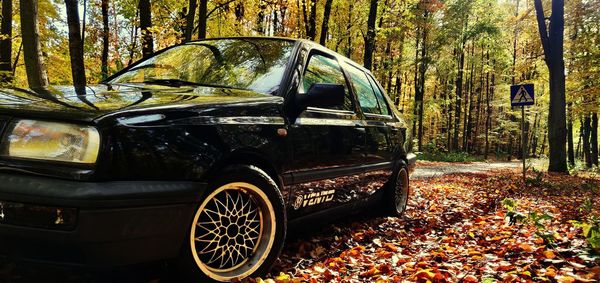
{"points": [[321, 69], [364, 92], [250, 64]]}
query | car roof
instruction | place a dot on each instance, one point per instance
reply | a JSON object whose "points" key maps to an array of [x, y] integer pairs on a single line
{"points": [[311, 44]]}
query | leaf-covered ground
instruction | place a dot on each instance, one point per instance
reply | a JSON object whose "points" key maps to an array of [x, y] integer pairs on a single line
{"points": [[456, 229]]}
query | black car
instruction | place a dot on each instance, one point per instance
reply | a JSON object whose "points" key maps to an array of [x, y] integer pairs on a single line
{"points": [[202, 154]]}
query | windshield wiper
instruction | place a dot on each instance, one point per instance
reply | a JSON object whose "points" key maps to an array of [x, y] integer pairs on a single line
{"points": [[171, 82]]}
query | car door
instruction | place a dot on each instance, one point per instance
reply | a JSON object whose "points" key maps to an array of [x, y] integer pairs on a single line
{"points": [[380, 146], [327, 145]]}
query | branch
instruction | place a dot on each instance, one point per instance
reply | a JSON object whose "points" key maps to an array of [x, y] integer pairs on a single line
{"points": [[218, 7], [541, 20]]}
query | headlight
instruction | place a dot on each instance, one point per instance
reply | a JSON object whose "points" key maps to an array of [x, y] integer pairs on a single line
{"points": [[52, 141]]}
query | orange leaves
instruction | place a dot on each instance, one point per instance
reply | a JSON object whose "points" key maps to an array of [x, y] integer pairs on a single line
{"points": [[549, 254], [565, 279], [354, 252], [391, 247], [454, 230], [526, 247]]}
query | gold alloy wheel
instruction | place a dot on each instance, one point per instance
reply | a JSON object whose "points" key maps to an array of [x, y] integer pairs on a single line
{"points": [[233, 231]]}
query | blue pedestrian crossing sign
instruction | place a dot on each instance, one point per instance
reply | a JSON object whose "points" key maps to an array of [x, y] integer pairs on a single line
{"points": [[522, 95]]}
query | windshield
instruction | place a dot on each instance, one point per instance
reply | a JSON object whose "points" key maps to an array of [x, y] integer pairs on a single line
{"points": [[250, 64]]}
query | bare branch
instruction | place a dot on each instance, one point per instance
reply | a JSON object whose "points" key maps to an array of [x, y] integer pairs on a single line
{"points": [[218, 7]]}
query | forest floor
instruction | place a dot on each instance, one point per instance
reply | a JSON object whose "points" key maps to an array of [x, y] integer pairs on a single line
{"points": [[456, 229], [428, 169]]}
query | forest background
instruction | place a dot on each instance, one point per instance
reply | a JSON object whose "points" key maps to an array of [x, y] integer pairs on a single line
{"points": [[447, 64]]}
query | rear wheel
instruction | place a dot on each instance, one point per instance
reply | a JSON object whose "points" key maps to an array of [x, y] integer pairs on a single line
{"points": [[239, 227], [397, 192]]}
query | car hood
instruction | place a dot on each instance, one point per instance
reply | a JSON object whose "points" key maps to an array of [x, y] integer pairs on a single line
{"points": [[62, 102]]}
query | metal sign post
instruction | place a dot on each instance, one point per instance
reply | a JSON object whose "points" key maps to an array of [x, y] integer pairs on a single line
{"points": [[522, 95], [523, 143]]}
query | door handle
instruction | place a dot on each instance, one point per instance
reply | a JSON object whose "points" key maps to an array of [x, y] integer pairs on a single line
{"points": [[361, 130]]}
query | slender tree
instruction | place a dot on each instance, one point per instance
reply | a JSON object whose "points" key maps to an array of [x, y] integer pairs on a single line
{"points": [[145, 12], [75, 45], [459, 95], [570, 150], [594, 139], [325, 25], [370, 37], [420, 78], [189, 25], [34, 65], [202, 15], [311, 33], [105, 38], [552, 38], [6, 42], [587, 131], [348, 27]]}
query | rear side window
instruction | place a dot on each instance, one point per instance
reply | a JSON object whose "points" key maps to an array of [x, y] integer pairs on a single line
{"points": [[364, 91], [383, 106], [321, 69]]}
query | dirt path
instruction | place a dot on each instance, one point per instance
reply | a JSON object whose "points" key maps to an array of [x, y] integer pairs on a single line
{"points": [[430, 170]]}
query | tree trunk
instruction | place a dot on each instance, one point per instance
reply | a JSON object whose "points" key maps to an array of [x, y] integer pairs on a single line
{"points": [[370, 38], [533, 140], [275, 21], [260, 18], [84, 21], [468, 124], [118, 58], [145, 9], [202, 14], [594, 139], [544, 142], [349, 27], [305, 16], [587, 129], [387, 62], [189, 20], [457, 112], [488, 120], [420, 85], [416, 81], [134, 35], [552, 42], [510, 147], [17, 57], [34, 65], [516, 37], [75, 45], [570, 151], [325, 25], [311, 21], [579, 151], [6, 43], [105, 38]]}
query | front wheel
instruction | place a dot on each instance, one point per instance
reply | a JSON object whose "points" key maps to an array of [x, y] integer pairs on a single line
{"points": [[239, 227]]}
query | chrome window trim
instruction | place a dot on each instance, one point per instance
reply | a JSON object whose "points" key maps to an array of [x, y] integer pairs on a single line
{"points": [[329, 111], [328, 122], [372, 115]]}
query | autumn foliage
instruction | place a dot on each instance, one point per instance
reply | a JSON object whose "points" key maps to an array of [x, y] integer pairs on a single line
{"points": [[457, 230]]}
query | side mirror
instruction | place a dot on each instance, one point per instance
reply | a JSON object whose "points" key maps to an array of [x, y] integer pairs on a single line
{"points": [[321, 95]]}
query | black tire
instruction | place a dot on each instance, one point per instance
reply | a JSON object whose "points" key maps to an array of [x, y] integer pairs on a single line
{"points": [[397, 192], [250, 255]]}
